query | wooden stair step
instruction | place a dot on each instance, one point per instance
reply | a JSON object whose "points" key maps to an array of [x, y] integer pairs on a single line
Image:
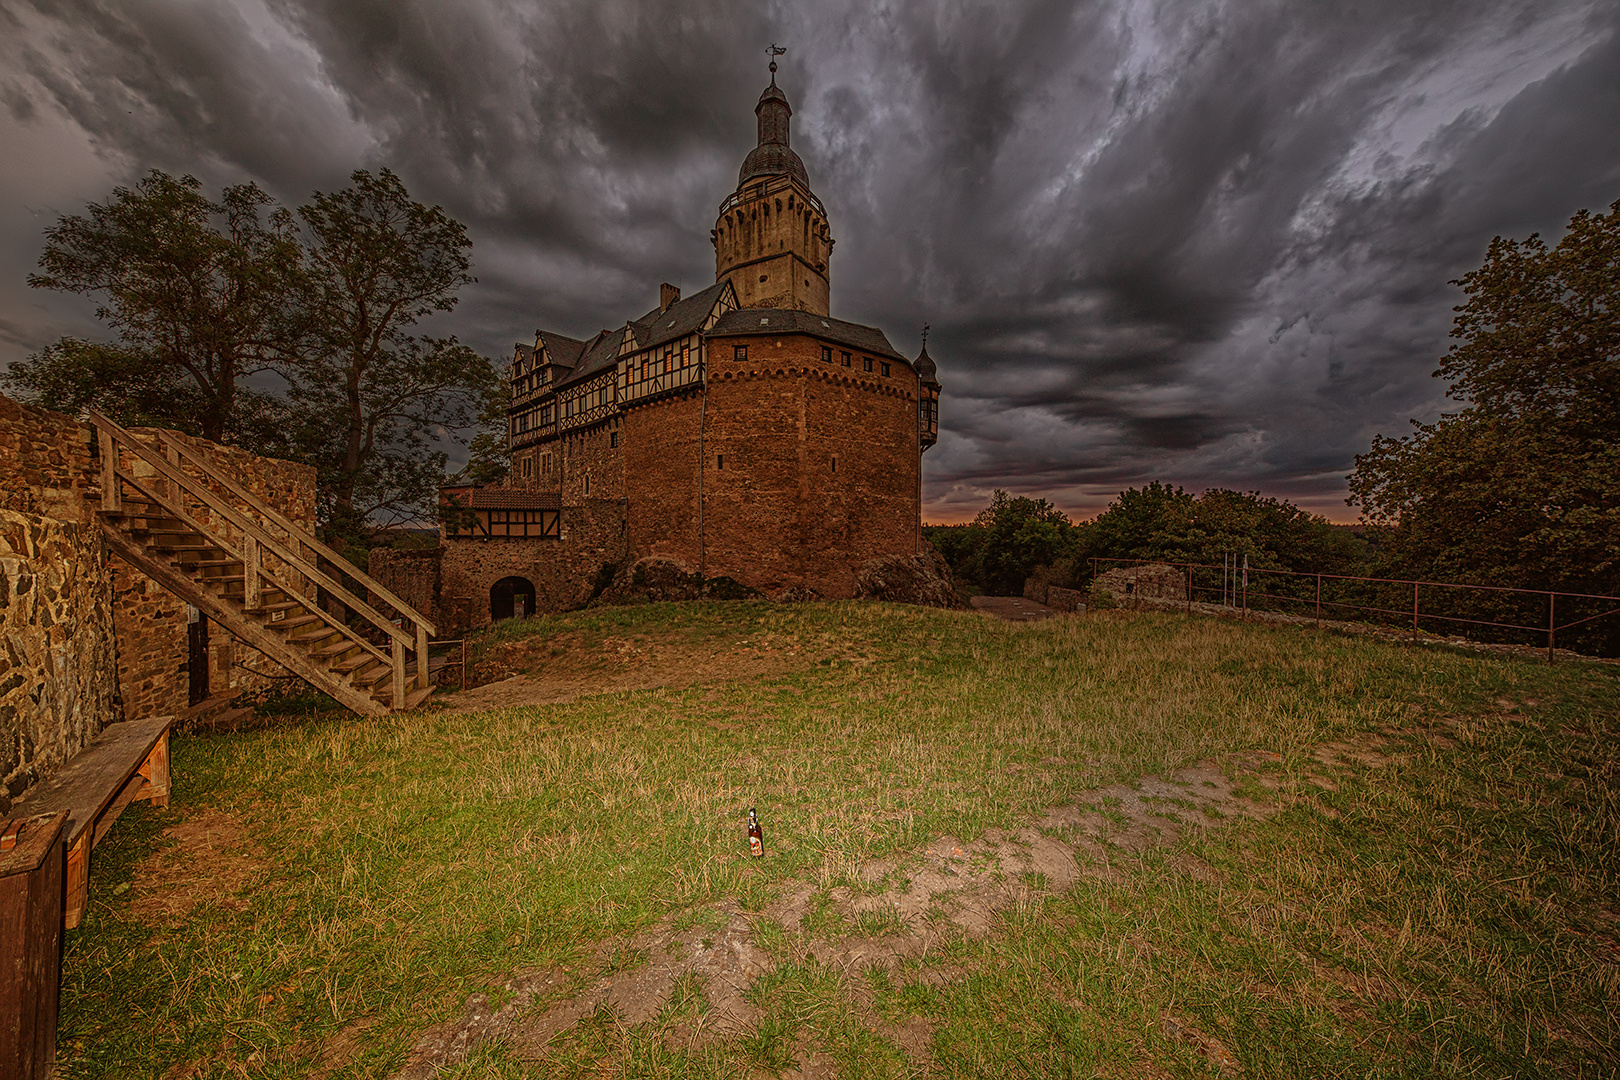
{"points": [[415, 697], [311, 637], [337, 649], [293, 622], [353, 663]]}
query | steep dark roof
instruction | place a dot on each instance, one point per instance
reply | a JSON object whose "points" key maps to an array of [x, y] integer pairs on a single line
{"points": [[924, 366], [601, 353], [499, 498], [867, 339], [564, 351], [683, 317], [525, 356]]}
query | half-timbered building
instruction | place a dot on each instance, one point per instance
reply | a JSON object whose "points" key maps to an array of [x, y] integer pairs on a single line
{"points": [[741, 431]]}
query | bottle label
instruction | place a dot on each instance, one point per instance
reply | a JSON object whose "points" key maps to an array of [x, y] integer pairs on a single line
{"points": [[756, 847]]}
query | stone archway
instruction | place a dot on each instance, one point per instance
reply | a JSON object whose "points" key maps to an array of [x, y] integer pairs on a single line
{"points": [[511, 598]]}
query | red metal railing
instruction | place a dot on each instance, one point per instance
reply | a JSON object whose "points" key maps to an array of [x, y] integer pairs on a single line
{"points": [[1235, 592]]}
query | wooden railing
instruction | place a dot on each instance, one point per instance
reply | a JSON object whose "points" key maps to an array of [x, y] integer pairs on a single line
{"points": [[298, 551]]}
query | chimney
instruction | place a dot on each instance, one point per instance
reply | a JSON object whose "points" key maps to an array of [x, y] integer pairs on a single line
{"points": [[667, 295]]}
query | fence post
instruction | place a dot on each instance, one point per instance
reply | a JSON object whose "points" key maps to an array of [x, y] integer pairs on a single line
{"points": [[399, 672], [1319, 601], [250, 573], [1189, 590], [422, 676], [1552, 598], [1414, 608]]}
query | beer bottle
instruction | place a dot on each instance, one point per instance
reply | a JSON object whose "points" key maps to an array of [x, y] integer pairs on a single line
{"points": [[756, 838]]}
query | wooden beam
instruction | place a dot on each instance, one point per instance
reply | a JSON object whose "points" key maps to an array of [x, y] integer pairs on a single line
{"points": [[250, 573], [294, 530], [261, 638], [306, 602]]}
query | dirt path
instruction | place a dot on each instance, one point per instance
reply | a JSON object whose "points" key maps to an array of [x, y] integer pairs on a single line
{"points": [[916, 900], [1012, 608]]}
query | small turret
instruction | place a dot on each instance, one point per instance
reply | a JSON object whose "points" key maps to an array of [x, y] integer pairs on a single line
{"points": [[928, 389]]}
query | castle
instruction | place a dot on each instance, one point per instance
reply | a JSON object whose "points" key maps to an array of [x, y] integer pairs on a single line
{"points": [[740, 432]]}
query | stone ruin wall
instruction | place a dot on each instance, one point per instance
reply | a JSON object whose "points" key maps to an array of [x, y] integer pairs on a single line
{"points": [[85, 640], [57, 685]]}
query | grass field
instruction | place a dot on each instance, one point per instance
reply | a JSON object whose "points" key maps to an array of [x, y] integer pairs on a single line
{"points": [[1424, 884]]}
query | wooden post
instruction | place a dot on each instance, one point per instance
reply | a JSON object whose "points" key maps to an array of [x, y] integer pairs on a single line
{"points": [[1189, 590], [156, 770], [109, 472], [423, 679], [250, 573], [464, 663], [30, 944], [1552, 599], [399, 673], [170, 486], [77, 885], [1319, 601], [1414, 608]]}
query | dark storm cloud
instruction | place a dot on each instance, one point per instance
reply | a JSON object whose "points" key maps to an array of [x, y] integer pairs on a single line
{"points": [[1204, 243]]}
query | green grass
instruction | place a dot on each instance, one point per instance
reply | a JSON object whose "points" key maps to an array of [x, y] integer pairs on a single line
{"points": [[1448, 914]]}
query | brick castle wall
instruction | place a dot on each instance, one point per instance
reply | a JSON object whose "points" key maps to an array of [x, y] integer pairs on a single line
{"points": [[809, 469]]}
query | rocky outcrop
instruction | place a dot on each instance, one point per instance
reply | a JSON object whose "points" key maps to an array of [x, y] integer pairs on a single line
{"points": [[651, 580], [923, 579]]}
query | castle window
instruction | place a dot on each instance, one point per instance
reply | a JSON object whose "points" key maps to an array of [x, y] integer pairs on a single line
{"points": [[885, 369], [720, 461], [868, 361], [528, 467], [613, 438], [835, 463], [686, 353], [826, 355], [739, 352], [845, 358], [587, 483]]}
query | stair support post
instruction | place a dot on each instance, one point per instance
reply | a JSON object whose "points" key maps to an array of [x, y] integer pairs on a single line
{"points": [[250, 573], [424, 678], [399, 673], [109, 472]]}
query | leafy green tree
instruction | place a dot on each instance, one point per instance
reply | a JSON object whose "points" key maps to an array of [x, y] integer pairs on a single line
{"points": [[1160, 522], [377, 399], [1018, 534], [1518, 487], [198, 293]]}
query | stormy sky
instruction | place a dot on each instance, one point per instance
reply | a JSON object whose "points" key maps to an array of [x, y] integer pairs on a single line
{"points": [[1206, 243]]}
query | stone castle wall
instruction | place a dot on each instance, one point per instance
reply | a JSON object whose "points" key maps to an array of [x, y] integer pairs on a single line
{"points": [[57, 684]]}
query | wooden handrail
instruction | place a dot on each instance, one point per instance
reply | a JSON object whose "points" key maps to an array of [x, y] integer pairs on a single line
{"points": [[295, 531], [247, 574], [249, 527]]}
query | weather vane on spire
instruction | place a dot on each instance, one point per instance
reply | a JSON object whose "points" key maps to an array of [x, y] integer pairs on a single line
{"points": [[925, 337], [775, 51]]}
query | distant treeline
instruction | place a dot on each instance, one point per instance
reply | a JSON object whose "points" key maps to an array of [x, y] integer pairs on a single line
{"points": [[1011, 537]]}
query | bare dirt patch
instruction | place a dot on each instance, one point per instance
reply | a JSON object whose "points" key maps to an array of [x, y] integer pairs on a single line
{"points": [[211, 861], [1012, 608], [541, 671], [881, 914]]}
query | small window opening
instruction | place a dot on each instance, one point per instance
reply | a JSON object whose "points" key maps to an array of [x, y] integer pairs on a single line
{"points": [[826, 355], [835, 463], [740, 352], [845, 357], [885, 369], [720, 461], [868, 363], [613, 436]]}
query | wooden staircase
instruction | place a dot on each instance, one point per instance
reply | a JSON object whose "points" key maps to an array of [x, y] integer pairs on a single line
{"points": [[256, 574]]}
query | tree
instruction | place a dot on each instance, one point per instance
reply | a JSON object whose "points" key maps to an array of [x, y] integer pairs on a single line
{"points": [[374, 397], [1517, 488], [1164, 522], [198, 293], [1018, 534]]}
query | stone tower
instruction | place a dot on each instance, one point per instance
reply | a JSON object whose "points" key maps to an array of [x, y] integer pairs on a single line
{"points": [[771, 238]]}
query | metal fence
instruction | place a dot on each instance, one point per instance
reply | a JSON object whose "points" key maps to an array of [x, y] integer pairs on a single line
{"points": [[1491, 613]]}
